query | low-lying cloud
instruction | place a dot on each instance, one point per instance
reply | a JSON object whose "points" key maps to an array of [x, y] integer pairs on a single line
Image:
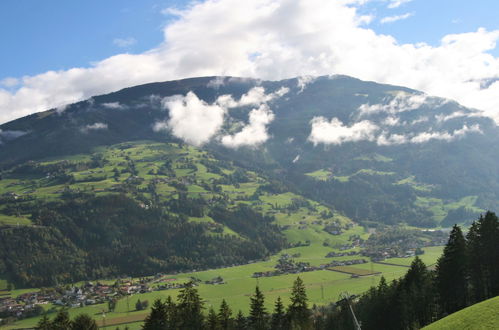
{"points": [[191, 119], [335, 132], [255, 132], [94, 127]]}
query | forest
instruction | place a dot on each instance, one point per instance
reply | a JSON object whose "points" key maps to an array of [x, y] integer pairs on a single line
{"points": [[86, 237], [465, 274]]}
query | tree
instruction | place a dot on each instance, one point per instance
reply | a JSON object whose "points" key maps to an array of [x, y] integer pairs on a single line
{"points": [[451, 281], [279, 316], [158, 318], [189, 308], [240, 321], [44, 323], [61, 320], [171, 313], [225, 316], [298, 312], [258, 314], [84, 322], [212, 321]]}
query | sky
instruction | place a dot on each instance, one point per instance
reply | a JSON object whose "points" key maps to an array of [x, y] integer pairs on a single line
{"points": [[57, 52]]}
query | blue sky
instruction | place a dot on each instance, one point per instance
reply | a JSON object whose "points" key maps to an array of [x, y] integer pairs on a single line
{"points": [[55, 52], [38, 36]]}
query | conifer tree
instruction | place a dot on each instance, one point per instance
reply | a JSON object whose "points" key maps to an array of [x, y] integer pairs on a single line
{"points": [[171, 313], [224, 316], [157, 319], [189, 308], [212, 321], [298, 312], [279, 316], [475, 262], [240, 321], [451, 274], [258, 314], [44, 323], [84, 322], [61, 320]]}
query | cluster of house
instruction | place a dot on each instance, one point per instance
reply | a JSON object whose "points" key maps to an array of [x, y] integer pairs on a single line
{"points": [[286, 265], [333, 254]]}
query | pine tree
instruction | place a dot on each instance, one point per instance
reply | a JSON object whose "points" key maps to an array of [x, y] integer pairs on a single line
{"points": [[212, 321], [44, 323], [258, 314], [158, 318], [451, 274], [61, 320], [189, 308], [279, 316], [240, 321], [84, 322], [489, 229], [171, 313], [225, 316], [298, 312], [475, 263]]}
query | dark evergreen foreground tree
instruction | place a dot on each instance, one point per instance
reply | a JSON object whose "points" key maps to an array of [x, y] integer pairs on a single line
{"points": [[298, 312], [451, 274], [258, 314], [279, 316], [158, 318], [225, 316], [84, 322], [189, 308]]}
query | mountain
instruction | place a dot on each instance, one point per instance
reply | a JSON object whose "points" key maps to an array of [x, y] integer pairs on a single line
{"points": [[378, 153]]}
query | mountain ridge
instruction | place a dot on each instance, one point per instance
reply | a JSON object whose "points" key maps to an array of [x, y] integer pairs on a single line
{"points": [[338, 125]]}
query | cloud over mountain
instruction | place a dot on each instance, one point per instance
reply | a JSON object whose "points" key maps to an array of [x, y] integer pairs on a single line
{"points": [[274, 39]]}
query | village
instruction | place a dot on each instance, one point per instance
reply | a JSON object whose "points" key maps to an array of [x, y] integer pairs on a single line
{"points": [[30, 304]]}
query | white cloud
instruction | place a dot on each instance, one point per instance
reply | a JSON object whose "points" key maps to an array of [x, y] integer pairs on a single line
{"points": [[292, 38], [303, 81], [445, 136], [10, 82], [397, 3], [442, 118], [124, 42], [216, 82], [395, 18], [400, 103], [113, 105], [94, 127], [335, 132], [255, 132], [192, 119], [387, 139], [391, 121], [254, 97]]}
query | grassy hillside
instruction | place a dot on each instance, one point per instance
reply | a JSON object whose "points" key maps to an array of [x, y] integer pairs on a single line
{"points": [[484, 315]]}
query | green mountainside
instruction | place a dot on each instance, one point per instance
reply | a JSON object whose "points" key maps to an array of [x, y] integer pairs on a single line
{"points": [[145, 207], [484, 315], [447, 163]]}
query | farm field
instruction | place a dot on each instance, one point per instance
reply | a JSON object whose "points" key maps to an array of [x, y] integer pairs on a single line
{"points": [[163, 170], [323, 286]]}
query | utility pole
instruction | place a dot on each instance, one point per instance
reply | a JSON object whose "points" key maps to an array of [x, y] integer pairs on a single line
{"points": [[347, 298]]}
